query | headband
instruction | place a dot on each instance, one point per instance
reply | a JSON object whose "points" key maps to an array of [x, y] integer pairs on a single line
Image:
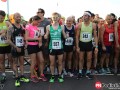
{"points": [[87, 13]]}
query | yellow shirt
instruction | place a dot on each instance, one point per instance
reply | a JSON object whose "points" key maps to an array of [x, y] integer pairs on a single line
{"points": [[3, 26]]}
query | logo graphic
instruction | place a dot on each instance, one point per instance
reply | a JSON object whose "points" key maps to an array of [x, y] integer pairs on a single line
{"points": [[115, 86], [98, 85]]}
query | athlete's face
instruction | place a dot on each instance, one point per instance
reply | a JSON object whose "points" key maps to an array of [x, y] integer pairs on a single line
{"points": [[55, 18], [112, 17], [69, 21], [17, 18], [86, 17], [80, 20], [40, 14], [109, 20], [36, 22], [102, 21], [2, 18]]}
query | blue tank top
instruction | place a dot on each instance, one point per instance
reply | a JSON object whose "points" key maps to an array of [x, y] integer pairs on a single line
{"points": [[70, 40]]}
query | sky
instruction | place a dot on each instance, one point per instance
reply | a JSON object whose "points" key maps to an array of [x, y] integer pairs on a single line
{"points": [[28, 8]]}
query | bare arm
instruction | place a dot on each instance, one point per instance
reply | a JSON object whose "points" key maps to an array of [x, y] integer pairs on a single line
{"points": [[78, 35], [9, 35], [95, 34], [102, 33], [63, 31], [116, 32], [8, 24], [99, 33], [47, 32]]}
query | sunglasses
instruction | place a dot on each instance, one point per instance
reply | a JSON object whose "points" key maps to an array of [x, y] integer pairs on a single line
{"points": [[39, 12]]}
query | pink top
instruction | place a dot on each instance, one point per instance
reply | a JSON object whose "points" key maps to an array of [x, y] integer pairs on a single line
{"points": [[33, 33]]}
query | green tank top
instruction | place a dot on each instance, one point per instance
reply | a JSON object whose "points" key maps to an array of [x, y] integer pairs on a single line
{"points": [[86, 32], [3, 26], [55, 38]]}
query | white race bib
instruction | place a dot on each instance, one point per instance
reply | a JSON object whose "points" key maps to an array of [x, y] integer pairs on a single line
{"points": [[2, 40], [111, 37], [86, 36], [69, 41], [41, 30], [56, 44], [36, 34], [19, 41]]}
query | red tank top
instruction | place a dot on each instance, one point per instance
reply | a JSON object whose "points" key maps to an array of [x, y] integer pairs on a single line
{"points": [[108, 36], [119, 31]]}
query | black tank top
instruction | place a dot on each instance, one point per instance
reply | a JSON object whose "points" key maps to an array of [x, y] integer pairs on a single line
{"points": [[17, 32]]}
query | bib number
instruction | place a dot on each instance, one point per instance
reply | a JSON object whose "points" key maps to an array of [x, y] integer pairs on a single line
{"points": [[19, 41], [69, 41], [86, 37], [56, 44], [36, 34], [2, 40], [111, 38]]}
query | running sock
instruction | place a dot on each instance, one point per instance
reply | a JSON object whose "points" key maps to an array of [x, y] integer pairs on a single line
{"points": [[80, 71], [88, 71]]}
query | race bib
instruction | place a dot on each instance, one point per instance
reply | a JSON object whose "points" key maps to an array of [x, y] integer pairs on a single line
{"points": [[56, 44], [2, 40], [36, 34], [86, 36], [69, 41], [111, 37], [41, 31], [19, 41]]}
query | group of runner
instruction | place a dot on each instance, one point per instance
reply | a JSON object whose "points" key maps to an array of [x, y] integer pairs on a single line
{"points": [[59, 44]]}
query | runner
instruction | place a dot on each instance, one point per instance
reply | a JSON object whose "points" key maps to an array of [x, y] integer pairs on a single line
{"points": [[34, 43], [55, 32], [116, 25], [107, 38], [42, 26], [95, 55], [69, 45], [84, 43], [16, 40], [75, 53], [4, 46]]}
